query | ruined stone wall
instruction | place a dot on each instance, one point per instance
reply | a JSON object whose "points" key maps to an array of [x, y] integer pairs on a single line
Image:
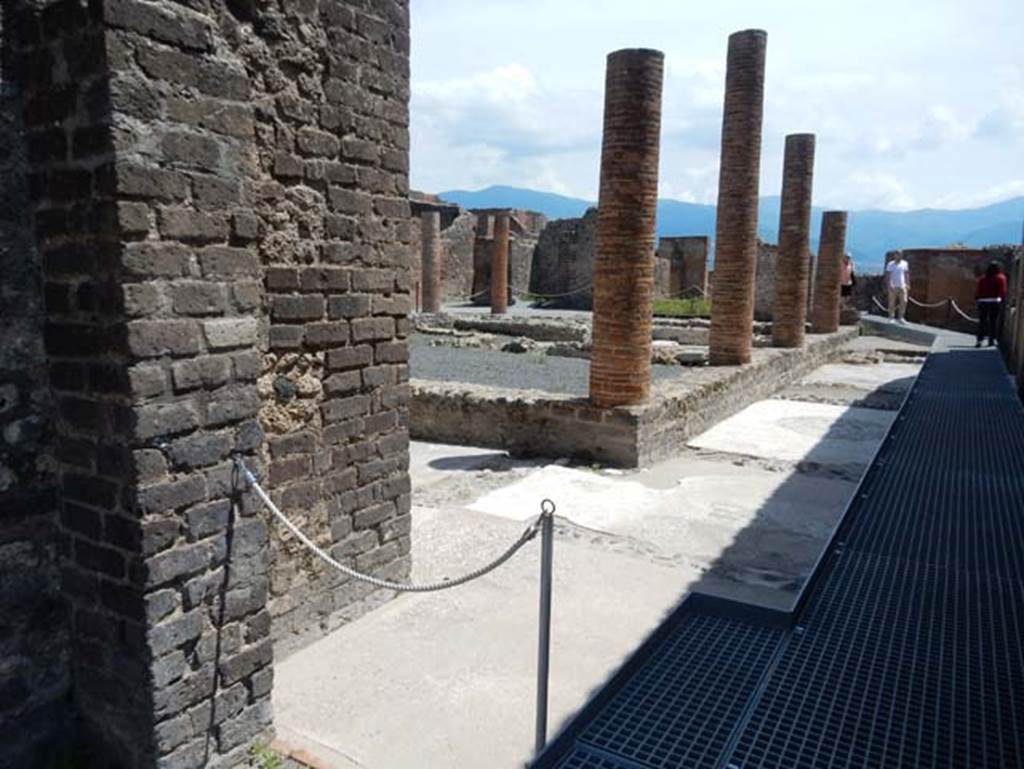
{"points": [[938, 273], [764, 293], [684, 272], [563, 261], [34, 675], [220, 212]]}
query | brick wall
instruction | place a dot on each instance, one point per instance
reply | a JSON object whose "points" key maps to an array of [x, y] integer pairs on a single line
{"points": [[33, 635], [220, 212]]}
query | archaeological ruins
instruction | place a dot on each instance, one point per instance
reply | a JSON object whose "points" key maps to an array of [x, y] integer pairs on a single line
{"points": [[212, 262]]}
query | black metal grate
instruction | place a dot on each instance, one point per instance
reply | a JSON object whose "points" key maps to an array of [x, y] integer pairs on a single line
{"points": [[903, 664], [586, 758], [677, 711], [908, 651]]}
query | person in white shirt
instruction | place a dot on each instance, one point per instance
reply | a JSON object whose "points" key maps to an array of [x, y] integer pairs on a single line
{"points": [[897, 273]]}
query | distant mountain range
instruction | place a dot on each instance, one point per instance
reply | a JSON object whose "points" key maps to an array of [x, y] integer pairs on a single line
{"points": [[871, 233]]}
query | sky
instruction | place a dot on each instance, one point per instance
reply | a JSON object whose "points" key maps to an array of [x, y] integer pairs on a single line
{"points": [[914, 104]]}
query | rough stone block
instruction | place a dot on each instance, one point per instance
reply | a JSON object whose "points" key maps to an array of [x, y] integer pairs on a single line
{"points": [[175, 632], [166, 23], [163, 419], [208, 371], [180, 562], [228, 262], [368, 329], [231, 332], [199, 298], [151, 259], [172, 495], [187, 225], [296, 308], [155, 338]]}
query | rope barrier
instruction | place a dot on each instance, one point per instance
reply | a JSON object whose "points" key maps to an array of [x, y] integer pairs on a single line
{"points": [[520, 292], [547, 507], [961, 313], [944, 302], [950, 301]]}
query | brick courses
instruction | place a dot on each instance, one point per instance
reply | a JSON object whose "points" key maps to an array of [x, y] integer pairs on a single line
{"points": [[732, 303], [219, 209], [793, 265], [828, 274], [620, 366]]}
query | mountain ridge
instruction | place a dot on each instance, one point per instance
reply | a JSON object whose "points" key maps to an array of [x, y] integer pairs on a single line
{"points": [[871, 232]]}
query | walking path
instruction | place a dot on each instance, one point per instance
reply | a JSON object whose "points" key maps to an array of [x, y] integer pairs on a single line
{"points": [[906, 647]]}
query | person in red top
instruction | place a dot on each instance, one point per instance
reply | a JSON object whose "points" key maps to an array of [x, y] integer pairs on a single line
{"points": [[990, 295]]}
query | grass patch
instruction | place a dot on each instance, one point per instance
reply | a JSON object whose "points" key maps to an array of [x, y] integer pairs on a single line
{"points": [[683, 308], [264, 757]]}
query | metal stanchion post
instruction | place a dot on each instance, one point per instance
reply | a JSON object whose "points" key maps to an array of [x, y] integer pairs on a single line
{"points": [[547, 533]]}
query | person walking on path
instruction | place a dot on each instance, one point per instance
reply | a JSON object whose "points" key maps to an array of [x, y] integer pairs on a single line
{"points": [[897, 273], [990, 295], [849, 280]]}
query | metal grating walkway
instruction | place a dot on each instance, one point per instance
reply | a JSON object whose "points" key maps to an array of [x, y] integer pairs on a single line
{"points": [[907, 646]]}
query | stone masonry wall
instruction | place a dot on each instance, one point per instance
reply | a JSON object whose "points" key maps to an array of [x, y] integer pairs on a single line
{"points": [[939, 273], [333, 225], [563, 261], [34, 676], [219, 206]]}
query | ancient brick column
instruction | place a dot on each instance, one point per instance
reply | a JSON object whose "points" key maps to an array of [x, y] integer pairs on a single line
{"points": [[792, 268], [732, 302], [825, 304], [430, 241], [499, 266], [620, 367]]}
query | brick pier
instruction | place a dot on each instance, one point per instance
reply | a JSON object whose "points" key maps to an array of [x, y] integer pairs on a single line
{"points": [[620, 368], [828, 275], [430, 240], [499, 265], [218, 218], [732, 303], [792, 268]]}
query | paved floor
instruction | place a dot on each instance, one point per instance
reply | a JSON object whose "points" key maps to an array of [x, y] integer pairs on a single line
{"points": [[441, 680]]}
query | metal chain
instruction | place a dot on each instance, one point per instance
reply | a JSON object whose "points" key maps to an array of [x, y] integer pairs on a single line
{"points": [[547, 507]]}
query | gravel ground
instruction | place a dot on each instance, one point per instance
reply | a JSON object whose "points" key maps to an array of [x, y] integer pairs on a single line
{"points": [[518, 371]]}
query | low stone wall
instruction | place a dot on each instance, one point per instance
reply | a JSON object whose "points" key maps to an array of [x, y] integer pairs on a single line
{"points": [[528, 422]]}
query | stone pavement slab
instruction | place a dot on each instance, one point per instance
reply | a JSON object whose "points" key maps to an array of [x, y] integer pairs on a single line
{"points": [[795, 431]]}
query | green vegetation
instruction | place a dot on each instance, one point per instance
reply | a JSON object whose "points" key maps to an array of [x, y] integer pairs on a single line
{"points": [[683, 308], [264, 757]]}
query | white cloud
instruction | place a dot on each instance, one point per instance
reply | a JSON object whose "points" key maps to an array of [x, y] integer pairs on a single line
{"points": [[873, 189], [1004, 191], [511, 93]]}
